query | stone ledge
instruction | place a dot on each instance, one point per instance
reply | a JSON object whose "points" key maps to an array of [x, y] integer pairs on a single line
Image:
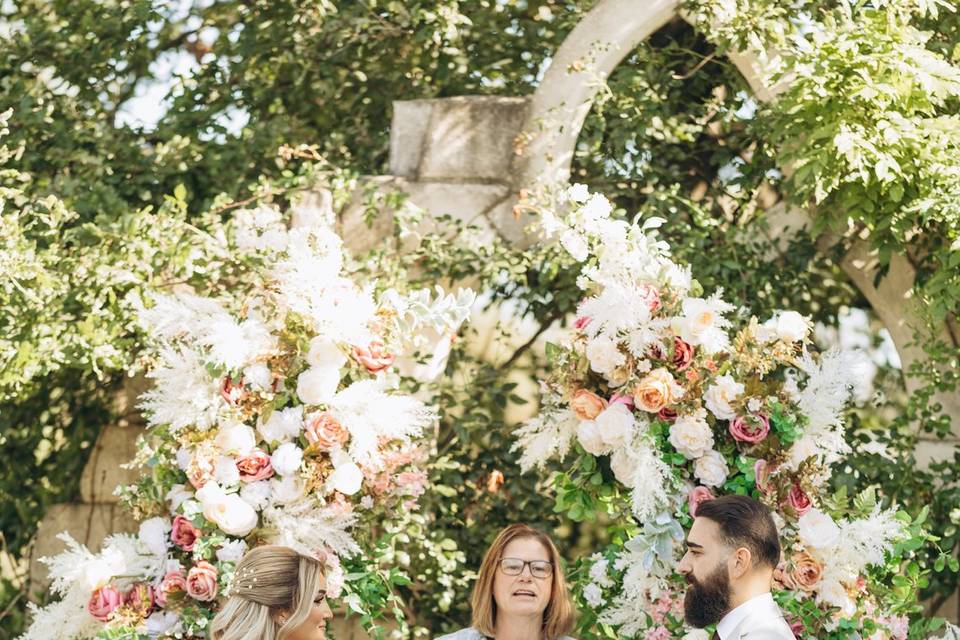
{"points": [[467, 137], [89, 524], [102, 474]]}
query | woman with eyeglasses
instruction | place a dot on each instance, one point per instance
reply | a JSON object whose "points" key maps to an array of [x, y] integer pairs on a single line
{"points": [[521, 593]]}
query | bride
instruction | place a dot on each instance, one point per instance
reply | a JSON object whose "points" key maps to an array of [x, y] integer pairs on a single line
{"points": [[277, 594]]}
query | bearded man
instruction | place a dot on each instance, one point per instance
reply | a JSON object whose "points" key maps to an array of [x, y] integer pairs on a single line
{"points": [[732, 551]]}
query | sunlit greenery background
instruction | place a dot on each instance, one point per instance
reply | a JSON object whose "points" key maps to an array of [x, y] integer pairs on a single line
{"points": [[117, 103]]}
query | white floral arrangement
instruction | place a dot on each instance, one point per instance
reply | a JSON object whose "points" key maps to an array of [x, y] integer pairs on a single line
{"points": [[277, 414], [668, 397]]}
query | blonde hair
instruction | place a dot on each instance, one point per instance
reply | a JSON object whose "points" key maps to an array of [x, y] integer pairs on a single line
{"points": [[558, 617], [269, 580]]}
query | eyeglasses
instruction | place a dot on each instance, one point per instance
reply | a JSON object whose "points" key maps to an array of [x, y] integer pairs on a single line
{"points": [[538, 568]]}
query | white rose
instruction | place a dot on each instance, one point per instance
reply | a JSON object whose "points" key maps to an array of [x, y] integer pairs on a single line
{"points": [[817, 530], [236, 438], [287, 490], [578, 192], [324, 352], [699, 316], [575, 245], [719, 396], [231, 551], [691, 435], [616, 423], [588, 434], [154, 534], [805, 447], [227, 510], [604, 355], [286, 459], [258, 376], [833, 593], [624, 467], [711, 469], [227, 473], [318, 385], [792, 327], [256, 494], [283, 425], [177, 495], [163, 623], [346, 477]]}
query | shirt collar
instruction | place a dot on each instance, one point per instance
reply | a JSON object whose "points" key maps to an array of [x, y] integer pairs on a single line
{"points": [[729, 623]]}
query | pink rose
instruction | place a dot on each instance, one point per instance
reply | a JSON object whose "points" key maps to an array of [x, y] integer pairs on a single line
{"points": [[184, 534], [587, 405], [325, 431], [202, 581], [752, 429], [173, 582], [374, 357], [581, 322], [619, 398], [696, 497], [649, 293], [799, 500], [667, 414], [255, 466], [140, 598], [682, 354], [103, 602]]}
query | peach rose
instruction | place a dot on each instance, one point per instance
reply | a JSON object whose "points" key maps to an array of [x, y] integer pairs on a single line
{"points": [[202, 581], [325, 432], [696, 497], [806, 571], [799, 500], [255, 466], [656, 391], [173, 582], [184, 534], [750, 430], [682, 354], [586, 405], [103, 602], [374, 357]]}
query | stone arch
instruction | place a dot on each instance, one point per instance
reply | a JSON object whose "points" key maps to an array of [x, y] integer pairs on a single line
{"points": [[559, 107]]}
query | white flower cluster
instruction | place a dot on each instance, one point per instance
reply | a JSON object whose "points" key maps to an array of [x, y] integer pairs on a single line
{"points": [[845, 549]]}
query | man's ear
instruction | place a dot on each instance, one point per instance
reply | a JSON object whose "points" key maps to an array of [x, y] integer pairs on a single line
{"points": [[740, 562]]}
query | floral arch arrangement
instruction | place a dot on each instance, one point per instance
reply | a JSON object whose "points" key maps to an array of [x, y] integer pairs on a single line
{"points": [[279, 413], [664, 397]]}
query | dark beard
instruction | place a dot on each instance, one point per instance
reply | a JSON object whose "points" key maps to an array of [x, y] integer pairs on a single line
{"points": [[707, 602]]}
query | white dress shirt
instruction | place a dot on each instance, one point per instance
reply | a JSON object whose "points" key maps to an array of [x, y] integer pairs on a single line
{"points": [[756, 609]]}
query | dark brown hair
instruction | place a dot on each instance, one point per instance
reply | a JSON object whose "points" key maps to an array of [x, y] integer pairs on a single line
{"points": [[745, 522], [558, 618]]}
